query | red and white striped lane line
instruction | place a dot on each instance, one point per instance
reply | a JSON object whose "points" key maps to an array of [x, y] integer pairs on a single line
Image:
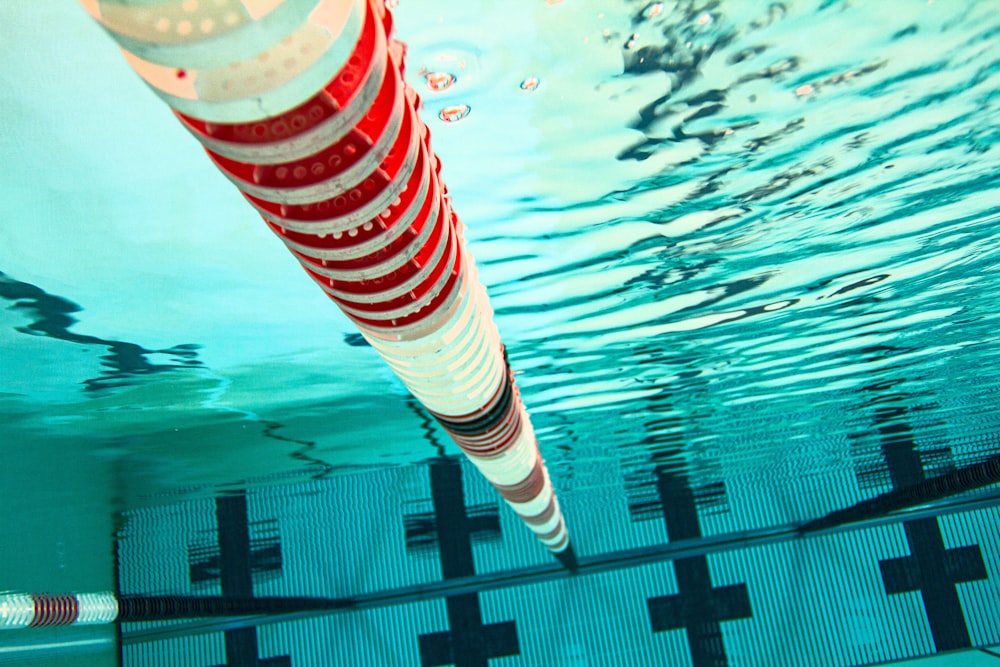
{"points": [[257, 59], [342, 171], [19, 610], [458, 372]]}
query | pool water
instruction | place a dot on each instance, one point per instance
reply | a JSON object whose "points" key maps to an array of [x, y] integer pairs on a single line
{"points": [[743, 258]]}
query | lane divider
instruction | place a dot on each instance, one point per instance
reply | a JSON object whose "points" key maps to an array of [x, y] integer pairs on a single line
{"points": [[303, 106]]}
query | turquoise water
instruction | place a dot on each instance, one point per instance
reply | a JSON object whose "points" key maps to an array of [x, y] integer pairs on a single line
{"points": [[743, 259]]}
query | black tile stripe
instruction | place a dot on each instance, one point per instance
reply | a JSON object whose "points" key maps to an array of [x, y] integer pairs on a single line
{"points": [[236, 579], [931, 569], [469, 643], [698, 607]]}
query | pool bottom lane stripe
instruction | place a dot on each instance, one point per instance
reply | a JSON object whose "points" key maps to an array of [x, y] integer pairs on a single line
{"points": [[931, 568], [469, 642], [236, 578], [698, 608]]}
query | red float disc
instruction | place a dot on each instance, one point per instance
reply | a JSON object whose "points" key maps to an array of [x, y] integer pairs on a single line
{"points": [[332, 104]]}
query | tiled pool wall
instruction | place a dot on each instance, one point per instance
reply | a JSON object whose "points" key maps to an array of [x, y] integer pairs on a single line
{"points": [[872, 594]]}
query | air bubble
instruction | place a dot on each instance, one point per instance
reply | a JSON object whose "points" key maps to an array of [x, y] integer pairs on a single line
{"points": [[439, 81], [653, 10], [454, 113]]}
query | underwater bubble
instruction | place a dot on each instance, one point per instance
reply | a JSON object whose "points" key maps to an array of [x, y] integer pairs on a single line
{"points": [[439, 81], [531, 83], [630, 44], [454, 113], [652, 10]]}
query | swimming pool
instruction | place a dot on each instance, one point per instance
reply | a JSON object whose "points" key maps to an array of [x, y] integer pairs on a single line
{"points": [[743, 262]]}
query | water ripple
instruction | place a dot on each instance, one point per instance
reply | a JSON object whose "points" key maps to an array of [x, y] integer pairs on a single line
{"points": [[800, 205]]}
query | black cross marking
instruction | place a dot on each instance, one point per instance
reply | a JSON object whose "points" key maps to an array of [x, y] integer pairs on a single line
{"points": [[236, 579], [469, 643], [698, 607], [930, 569]]}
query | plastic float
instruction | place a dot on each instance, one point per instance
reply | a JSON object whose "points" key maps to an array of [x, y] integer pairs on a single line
{"points": [[36, 610], [19, 610], [302, 105]]}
